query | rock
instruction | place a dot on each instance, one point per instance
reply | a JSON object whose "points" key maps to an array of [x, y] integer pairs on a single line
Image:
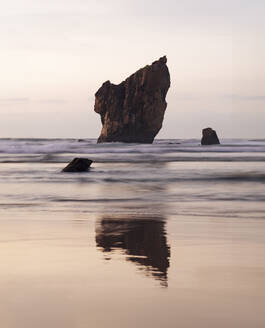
{"points": [[133, 110], [209, 137], [78, 165]]}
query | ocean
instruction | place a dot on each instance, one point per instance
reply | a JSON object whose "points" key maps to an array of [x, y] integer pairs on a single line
{"points": [[162, 235]]}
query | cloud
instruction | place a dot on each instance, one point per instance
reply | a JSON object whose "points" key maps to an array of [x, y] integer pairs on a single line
{"points": [[185, 97], [52, 101], [237, 97], [26, 100], [14, 100]]}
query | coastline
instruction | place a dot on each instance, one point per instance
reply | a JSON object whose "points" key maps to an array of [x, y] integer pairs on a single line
{"points": [[141, 241], [216, 274]]}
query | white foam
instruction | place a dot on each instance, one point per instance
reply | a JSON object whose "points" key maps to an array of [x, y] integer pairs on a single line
{"points": [[89, 146]]}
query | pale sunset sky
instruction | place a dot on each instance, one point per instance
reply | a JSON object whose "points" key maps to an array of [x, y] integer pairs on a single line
{"points": [[55, 54]]}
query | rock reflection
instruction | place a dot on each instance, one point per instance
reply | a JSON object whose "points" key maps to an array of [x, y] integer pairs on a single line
{"points": [[142, 239]]}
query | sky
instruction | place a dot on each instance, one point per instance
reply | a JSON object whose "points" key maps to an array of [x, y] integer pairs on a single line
{"points": [[55, 55]]}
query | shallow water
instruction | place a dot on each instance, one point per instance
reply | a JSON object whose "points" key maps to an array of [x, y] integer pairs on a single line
{"points": [[162, 235]]}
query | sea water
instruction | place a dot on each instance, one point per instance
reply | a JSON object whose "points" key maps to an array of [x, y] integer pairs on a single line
{"points": [[154, 235]]}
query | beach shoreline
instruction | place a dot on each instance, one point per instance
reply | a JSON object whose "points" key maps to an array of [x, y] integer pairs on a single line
{"points": [[143, 239]]}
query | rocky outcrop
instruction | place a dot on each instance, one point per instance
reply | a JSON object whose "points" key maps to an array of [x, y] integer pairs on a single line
{"points": [[209, 137], [133, 110], [78, 165]]}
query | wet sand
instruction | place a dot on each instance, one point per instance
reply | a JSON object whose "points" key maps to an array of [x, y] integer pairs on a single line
{"points": [[127, 270], [163, 235]]}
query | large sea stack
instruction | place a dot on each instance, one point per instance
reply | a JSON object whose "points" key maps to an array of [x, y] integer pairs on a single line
{"points": [[133, 110]]}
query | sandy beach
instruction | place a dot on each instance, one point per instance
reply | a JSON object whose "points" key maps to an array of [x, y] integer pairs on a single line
{"points": [[135, 243], [53, 273]]}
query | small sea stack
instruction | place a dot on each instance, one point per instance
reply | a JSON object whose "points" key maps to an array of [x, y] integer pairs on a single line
{"points": [[133, 111], [78, 165], [209, 137]]}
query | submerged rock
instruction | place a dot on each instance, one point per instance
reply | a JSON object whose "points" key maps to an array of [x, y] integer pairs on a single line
{"points": [[133, 110], [78, 165], [209, 137]]}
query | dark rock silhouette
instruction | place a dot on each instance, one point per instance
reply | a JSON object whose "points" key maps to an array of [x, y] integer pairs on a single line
{"points": [[78, 165], [133, 110], [209, 137], [143, 240]]}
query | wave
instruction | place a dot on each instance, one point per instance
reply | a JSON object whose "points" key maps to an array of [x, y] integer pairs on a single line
{"points": [[230, 178], [161, 151], [130, 176], [161, 146], [97, 200], [130, 159], [144, 200]]}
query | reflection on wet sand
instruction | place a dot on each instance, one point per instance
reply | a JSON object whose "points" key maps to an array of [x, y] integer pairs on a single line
{"points": [[142, 239]]}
